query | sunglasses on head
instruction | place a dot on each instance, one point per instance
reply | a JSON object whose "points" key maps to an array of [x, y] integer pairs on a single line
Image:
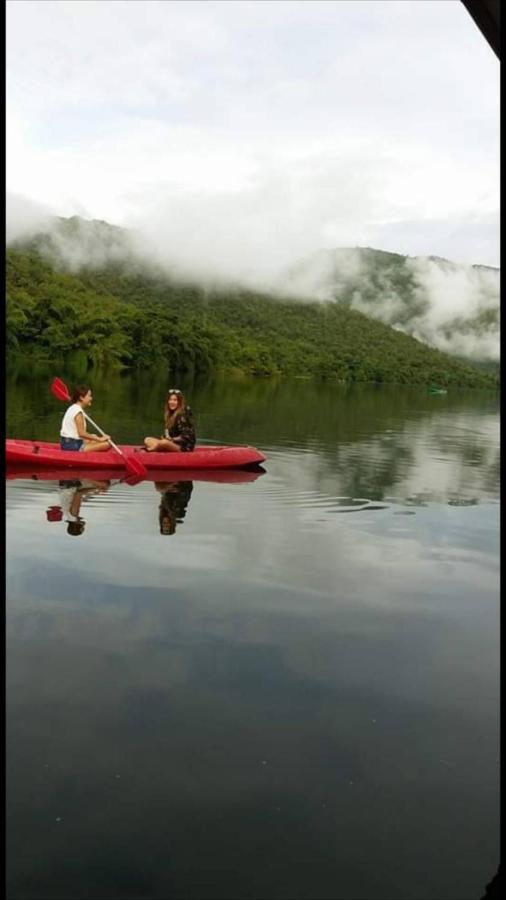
{"points": [[174, 391]]}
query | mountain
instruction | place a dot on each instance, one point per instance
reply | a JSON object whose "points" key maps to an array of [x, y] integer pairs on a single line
{"points": [[84, 291], [76, 243], [449, 306]]}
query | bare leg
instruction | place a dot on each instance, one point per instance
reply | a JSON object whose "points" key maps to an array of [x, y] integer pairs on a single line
{"points": [[161, 444], [96, 446]]}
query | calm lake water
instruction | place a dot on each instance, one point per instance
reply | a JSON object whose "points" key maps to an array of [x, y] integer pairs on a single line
{"points": [[294, 693]]}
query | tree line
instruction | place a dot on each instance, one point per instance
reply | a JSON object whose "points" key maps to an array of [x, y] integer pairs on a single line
{"points": [[121, 317]]}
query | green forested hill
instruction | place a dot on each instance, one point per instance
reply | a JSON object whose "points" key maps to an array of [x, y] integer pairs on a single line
{"points": [[428, 297], [119, 315]]}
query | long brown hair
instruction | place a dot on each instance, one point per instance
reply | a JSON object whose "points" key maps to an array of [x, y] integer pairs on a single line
{"points": [[169, 417]]}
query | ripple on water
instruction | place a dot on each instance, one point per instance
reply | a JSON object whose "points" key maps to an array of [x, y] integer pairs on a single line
{"points": [[23, 493]]}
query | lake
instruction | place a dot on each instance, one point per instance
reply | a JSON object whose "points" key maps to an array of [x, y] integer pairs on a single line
{"points": [[292, 692]]}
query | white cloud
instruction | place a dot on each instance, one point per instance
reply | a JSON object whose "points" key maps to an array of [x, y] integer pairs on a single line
{"points": [[244, 135], [24, 217]]}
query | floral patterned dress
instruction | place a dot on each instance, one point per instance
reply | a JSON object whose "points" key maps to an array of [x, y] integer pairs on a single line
{"points": [[184, 430]]}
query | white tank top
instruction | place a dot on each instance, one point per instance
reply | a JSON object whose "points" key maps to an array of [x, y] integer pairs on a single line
{"points": [[68, 425]]}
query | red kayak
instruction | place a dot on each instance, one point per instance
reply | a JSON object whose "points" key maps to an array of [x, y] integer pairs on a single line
{"points": [[43, 453]]}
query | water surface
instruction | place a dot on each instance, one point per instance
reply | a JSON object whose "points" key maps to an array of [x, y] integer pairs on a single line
{"points": [[293, 691]]}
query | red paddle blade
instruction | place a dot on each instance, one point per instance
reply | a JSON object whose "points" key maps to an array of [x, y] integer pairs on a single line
{"points": [[59, 389], [54, 514], [135, 468], [132, 479]]}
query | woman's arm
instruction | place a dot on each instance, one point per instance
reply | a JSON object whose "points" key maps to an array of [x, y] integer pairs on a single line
{"points": [[166, 437], [97, 487], [83, 434]]}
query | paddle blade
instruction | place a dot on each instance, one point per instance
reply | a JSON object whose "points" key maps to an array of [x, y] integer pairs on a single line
{"points": [[135, 468], [132, 480], [59, 389], [54, 514]]}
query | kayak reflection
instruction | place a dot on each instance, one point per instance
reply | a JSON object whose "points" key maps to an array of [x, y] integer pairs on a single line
{"points": [[216, 476], [175, 488], [72, 492], [173, 503]]}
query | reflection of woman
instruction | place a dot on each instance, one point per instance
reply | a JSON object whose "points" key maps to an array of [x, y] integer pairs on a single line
{"points": [[174, 501], [179, 434], [72, 494]]}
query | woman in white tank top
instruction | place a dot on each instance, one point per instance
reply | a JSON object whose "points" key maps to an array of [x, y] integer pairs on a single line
{"points": [[73, 434]]}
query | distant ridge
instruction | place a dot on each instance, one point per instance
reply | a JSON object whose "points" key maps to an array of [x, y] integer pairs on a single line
{"points": [[448, 305], [85, 287]]}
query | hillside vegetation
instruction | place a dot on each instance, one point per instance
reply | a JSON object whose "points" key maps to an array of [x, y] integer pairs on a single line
{"points": [[450, 306], [122, 316]]}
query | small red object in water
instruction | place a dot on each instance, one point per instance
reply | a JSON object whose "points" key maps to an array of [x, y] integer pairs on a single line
{"points": [[54, 514]]}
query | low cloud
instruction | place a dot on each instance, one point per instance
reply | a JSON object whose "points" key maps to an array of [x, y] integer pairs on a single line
{"points": [[25, 217], [462, 312], [452, 307], [266, 239]]}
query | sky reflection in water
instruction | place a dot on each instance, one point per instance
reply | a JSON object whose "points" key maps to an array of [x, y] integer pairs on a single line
{"points": [[294, 694]]}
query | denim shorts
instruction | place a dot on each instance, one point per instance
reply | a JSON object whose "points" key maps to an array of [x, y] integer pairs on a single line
{"points": [[71, 443]]}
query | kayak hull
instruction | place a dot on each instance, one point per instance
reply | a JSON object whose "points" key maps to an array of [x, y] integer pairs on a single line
{"points": [[42, 453]]}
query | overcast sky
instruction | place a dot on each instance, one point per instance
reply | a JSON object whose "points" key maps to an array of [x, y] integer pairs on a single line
{"points": [[269, 128]]}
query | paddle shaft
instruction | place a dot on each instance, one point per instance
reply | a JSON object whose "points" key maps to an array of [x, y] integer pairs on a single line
{"points": [[90, 420]]}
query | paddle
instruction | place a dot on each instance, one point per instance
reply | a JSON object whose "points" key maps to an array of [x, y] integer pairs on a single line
{"points": [[134, 466]]}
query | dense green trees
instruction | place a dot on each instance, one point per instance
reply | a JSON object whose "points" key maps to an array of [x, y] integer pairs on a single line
{"points": [[123, 317]]}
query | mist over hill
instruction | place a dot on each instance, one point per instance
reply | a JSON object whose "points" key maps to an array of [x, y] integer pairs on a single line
{"points": [[439, 303], [75, 243], [449, 306]]}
